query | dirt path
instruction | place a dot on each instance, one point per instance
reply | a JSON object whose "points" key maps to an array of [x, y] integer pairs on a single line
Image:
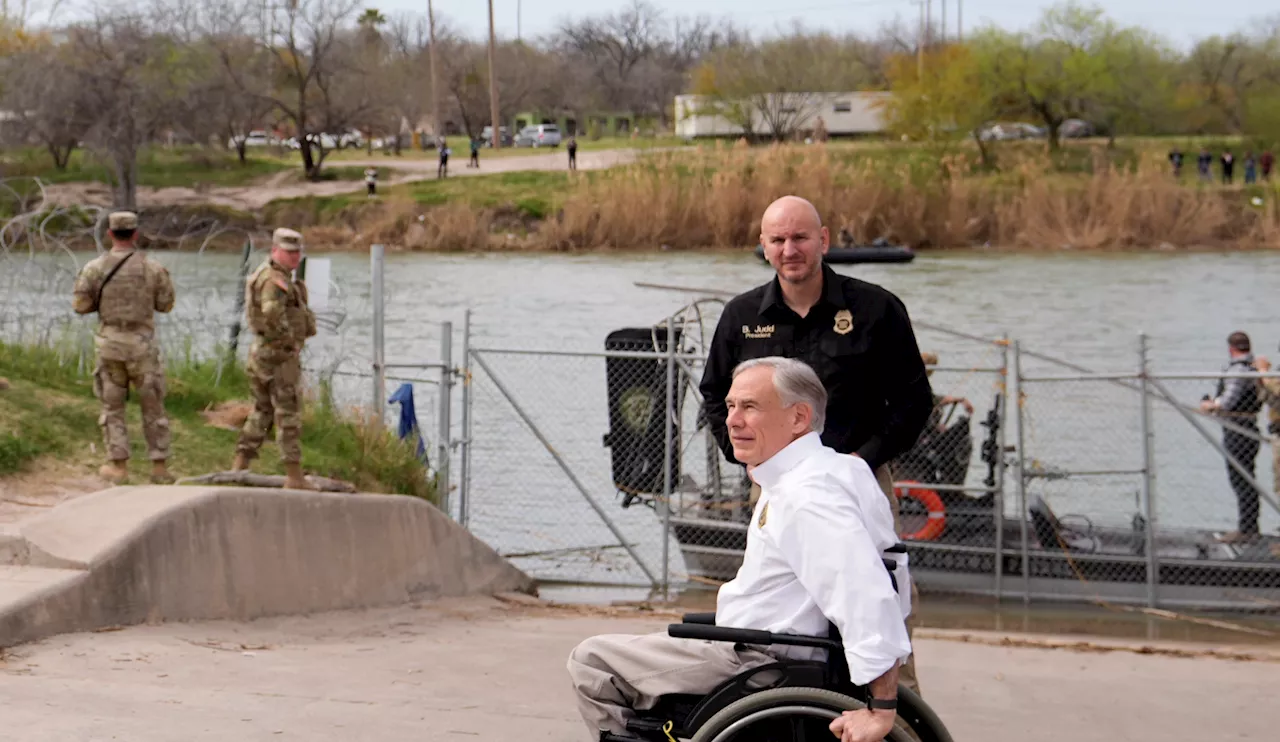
{"points": [[478, 669], [254, 197]]}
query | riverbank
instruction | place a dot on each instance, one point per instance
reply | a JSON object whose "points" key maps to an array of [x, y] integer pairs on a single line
{"points": [[49, 431], [484, 669], [1089, 197], [713, 197]]}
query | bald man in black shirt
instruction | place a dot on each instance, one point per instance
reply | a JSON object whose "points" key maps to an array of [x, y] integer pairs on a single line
{"points": [[857, 336]]}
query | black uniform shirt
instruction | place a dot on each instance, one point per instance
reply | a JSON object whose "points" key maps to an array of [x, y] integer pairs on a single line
{"points": [[858, 338]]}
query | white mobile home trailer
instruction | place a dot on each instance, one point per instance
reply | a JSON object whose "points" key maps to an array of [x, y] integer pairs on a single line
{"points": [[844, 114]]}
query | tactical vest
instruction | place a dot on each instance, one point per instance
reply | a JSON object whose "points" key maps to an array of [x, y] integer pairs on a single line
{"points": [[295, 314], [127, 299]]}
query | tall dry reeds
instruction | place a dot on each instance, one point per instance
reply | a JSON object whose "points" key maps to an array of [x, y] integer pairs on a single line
{"points": [[714, 197]]}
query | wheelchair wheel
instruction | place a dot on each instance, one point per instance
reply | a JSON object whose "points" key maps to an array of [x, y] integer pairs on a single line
{"points": [[786, 715]]}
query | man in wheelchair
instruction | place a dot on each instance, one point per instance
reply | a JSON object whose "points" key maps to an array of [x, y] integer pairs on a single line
{"points": [[815, 562]]}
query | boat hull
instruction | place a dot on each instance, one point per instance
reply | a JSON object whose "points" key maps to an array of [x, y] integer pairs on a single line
{"points": [[862, 254], [713, 551]]}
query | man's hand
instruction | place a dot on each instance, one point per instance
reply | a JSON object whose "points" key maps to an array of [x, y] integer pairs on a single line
{"points": [[1208, 405], [1262, 363], [863, 725]]}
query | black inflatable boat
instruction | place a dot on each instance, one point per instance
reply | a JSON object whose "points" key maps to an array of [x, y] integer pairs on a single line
{"points": [[873, 253]]}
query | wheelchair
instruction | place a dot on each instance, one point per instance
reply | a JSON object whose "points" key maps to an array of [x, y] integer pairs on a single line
{"points": [[784, 701]]}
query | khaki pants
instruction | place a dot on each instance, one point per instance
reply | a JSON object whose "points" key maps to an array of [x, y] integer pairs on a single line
{"points": [[907, 671], [614, 674], [111, 382]]}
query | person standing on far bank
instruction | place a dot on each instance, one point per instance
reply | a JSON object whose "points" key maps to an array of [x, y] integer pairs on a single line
{"points": [[857, 337], [278, 314], [126, 289], [573, 152]]}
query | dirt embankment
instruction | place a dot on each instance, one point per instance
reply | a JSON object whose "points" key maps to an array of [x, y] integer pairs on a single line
{"points": [[283, 186]]}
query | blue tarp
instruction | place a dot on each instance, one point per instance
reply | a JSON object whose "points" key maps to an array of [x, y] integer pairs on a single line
{"points": [[409, 418]]}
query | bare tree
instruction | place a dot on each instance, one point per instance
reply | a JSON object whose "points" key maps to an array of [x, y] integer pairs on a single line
{"points": [[319, 82], [464, 74], [408, 89], [124, 69], [43, 91], [776, 86]]}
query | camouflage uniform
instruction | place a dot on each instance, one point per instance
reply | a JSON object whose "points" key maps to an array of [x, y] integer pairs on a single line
{"points": [[280, 318], [127, 350]]}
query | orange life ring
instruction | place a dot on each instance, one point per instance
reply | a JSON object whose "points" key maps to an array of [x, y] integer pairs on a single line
{"points": [[937, 521]]}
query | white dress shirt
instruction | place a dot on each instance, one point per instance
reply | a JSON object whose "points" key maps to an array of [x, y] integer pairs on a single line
{"points": [[814, 549]]}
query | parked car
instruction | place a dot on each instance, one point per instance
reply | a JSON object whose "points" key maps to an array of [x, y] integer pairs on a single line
{"points": [[1009, 131], [255, 138], [539, 135], [486, 135], [1075, 129]]}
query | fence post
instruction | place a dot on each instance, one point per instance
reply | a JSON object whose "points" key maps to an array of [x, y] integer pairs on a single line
{"points": [[1000, 467], [444, 421], [668, 450], [464, 454], [234, 343], [1022, 471], [379, 349], [1148, 474]]}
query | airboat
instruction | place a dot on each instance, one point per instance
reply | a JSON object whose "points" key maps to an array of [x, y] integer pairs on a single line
{"points": [[879, 251], [960, 538]]}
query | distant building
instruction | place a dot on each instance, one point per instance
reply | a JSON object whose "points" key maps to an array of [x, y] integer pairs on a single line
{"points": [[843, 114]]}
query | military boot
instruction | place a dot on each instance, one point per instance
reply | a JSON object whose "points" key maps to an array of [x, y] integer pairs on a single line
{"points": [[115, 472], [241, 463], [160, 473], [294, 480]]}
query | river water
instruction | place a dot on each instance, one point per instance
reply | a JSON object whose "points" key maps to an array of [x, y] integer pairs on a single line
{"points": [[1087, 308]]}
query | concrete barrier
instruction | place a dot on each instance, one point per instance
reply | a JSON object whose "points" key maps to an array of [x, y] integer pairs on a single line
{"points": [[145, 554]]}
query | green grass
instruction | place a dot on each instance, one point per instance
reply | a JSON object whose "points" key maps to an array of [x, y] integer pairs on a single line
{"points": [[158, 167], [535, 193], [49, 412]]}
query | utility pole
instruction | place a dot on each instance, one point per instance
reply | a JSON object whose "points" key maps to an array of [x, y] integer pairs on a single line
{"points": [[944, 21], [518, 16], [960, 21], [920, 45], [435, 79], [493, 82], [928, 21]]}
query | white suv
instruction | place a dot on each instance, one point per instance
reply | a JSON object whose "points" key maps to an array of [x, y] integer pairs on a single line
{"points": [[539, 135]]}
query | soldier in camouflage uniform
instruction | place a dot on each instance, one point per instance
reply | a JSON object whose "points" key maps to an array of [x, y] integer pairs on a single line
{"points": [[280, 318], [126, 288]]}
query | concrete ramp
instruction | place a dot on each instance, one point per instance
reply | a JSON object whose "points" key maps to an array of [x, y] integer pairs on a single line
{"points": [[146, 554]]}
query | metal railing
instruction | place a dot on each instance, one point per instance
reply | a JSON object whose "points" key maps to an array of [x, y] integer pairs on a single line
{"points": [[544, 484]]}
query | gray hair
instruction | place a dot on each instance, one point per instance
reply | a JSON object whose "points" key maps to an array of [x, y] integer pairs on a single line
{"points": [[795, 382]]}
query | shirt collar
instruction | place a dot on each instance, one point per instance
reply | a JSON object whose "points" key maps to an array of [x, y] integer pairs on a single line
{"points": [[832, 293], [768, 473]]}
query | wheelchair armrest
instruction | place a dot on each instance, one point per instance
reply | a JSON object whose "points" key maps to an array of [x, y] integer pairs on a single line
{"points": [[748, 636], [890, 565], [898, 548], [707, 619]]}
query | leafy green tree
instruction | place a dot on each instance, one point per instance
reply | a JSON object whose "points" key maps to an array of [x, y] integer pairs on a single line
{"points": [[942, 106]]}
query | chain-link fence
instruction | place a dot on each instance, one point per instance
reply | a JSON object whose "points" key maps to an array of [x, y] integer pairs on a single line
{"points": [[1108, 487], [594, 465]]}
